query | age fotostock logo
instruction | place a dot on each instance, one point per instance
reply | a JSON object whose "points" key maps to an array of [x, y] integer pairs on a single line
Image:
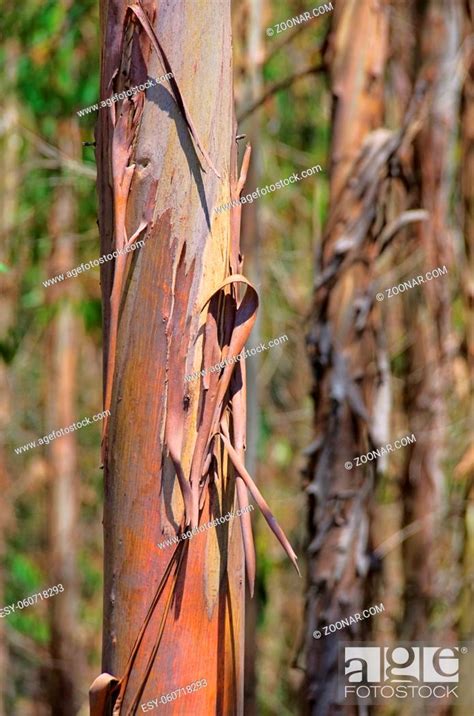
{"points": [[376, 674]]}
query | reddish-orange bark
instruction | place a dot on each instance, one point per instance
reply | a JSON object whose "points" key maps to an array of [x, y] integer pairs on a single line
{"points": [[173, 449], [198, 620]]}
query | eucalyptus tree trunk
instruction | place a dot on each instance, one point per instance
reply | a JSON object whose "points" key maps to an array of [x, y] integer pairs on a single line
{"points": [[173, 615]]}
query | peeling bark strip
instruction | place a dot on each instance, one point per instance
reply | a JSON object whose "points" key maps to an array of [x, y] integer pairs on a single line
{"points": [[173, 452]]}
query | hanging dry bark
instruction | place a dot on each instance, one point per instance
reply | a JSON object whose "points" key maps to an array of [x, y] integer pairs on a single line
{"points": [[173, 449]]}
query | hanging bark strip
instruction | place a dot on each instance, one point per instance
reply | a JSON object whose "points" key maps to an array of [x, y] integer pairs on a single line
{"points": [[173, 308]]}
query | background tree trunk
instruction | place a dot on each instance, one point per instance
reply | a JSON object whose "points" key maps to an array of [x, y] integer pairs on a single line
{"points": [[465, 469], [345, 349], [9, 188], [62, 345], [429, 330]]}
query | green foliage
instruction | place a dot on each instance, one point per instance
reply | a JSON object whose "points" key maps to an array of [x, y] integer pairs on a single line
{"points": [[91, 312], [24, 580], [55, 76]]}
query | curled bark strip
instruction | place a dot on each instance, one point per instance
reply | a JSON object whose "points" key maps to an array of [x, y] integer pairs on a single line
{"points": [[142, 17], [258, 497], [210, 387], [216, 386], [245, 317], [234, 278], [102, 694], [244, 320]]}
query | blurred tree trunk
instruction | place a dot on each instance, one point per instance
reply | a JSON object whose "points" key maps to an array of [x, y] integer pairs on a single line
{"points": [[465, 469], [175, 615], [9, 193], [430, 334], [467, 184], [63, 345], [346, 345]]}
